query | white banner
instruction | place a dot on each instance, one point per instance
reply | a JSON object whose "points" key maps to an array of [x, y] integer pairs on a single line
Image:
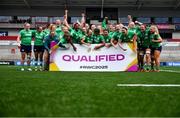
{"points": [[88, 59]]}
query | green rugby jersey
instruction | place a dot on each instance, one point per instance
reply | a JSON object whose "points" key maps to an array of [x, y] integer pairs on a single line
{"points": [[39, 37], [97, 39], [155, 37], [26, 37], [127, 37]]}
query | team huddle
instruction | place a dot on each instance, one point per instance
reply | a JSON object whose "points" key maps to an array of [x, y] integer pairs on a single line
{"points": [[145, 39]]}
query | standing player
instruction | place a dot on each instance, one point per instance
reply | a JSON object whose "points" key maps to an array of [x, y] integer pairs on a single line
{"points": [[38, 46], [24, 43], [156, 47], [143, 43]]}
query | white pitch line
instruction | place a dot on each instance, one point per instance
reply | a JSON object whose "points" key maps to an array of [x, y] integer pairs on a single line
{"points": [[171, 71], [148, 85]]}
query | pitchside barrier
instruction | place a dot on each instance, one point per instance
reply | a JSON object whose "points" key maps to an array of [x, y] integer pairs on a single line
{"points": [[88, 59]]}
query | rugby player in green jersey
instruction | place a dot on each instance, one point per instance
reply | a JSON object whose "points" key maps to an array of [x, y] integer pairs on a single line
{"points": [[116, 35], [116, 38], [111, 30], [131, 26], [47, 29], [67, 38], [107, 38], [128, 37], [76, 32], [84, 33], [143, 43], [98, 39], [58, 27], [38, 36], [87, 39], [155, 46], [24, 43]]}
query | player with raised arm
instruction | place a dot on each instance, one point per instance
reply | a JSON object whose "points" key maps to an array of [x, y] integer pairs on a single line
{"points": [[58, 27], [75, 32]]}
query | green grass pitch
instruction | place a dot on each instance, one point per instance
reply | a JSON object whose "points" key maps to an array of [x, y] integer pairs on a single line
{"points": [[76, 94]]}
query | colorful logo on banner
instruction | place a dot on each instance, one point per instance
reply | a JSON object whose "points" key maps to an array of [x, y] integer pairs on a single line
{"points": [[88, 59]]}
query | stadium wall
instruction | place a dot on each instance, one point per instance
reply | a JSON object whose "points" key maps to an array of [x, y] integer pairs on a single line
{"points": [[76, 11], [11, 32], [175, 35], [41, 12]]}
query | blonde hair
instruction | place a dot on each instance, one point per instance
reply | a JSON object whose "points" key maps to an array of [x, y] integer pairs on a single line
{"points": [[155, 28]]}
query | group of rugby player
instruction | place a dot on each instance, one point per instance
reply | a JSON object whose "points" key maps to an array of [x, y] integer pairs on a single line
{"points": [[146, 40]]}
